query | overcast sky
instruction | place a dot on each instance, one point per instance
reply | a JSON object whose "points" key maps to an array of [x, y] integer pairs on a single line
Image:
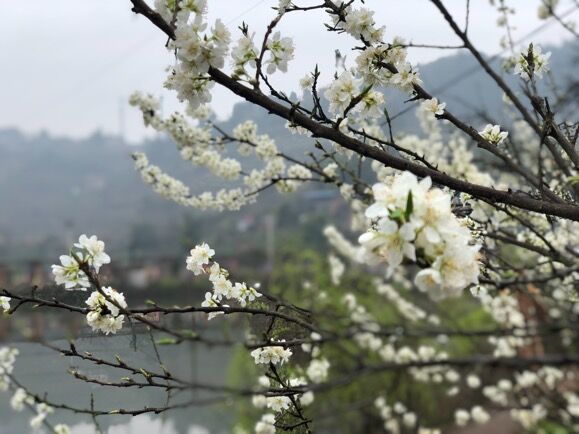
{"points": [[68, 66]]}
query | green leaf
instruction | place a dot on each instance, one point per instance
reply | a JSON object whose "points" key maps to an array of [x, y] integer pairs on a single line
{"points": [[166, 341], [409, 206]]}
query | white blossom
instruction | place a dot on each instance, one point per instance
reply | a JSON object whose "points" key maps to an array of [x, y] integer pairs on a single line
{"points": [[278, 355], [461, 417], [61, 429], [105, 310], [94, 251], [433, 106], [199, 256], [69, 274], [266, 425], [5, 303], [493, 134], [532, 63], [317, 370], [281, 52]]}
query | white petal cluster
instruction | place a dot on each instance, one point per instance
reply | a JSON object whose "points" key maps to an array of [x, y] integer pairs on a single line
{"points": [[5, 303], [91, 251], [360, 24], [266, 425], [199, 262], [317, 370], [504, 309], [407, 216], [198, 145], [197, 50], [276, 354], [198, 257], [532, 63], [19, 399], [7, 360], [346, 88], [42, 412], [243, 55], [337, 269], [341, 244], [105, 310], [529, 418], [433, 106], [62, 429], [546, 8], [94, 251], [281, 51], [493, 134], [397, 418], [69, 274]]}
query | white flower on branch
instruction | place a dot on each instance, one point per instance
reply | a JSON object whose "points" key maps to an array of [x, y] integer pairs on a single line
{"points": [[277, 355], [341, 92], [243, 55], [5, 303], [105, 310], [433, 106], [42, 411], [278, 403], [493, 134], [317, 370], [281, 52], [69, 274], [199, 256], [266, 425], [461, 417], [532, 63], [95, 251], [407, 216], [360, 24], [337, 269], [20, 398], [61, 429]]}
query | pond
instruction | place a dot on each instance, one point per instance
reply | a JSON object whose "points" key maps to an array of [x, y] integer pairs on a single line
{"points": [[42, 369]]}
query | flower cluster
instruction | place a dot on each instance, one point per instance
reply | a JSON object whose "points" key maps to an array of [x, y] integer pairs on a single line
{"points": [[5, 304], [244, 55], [398, 418], [276, 355], [197, 50], [198, 145], [281, 52], [359, 23], [433, 106], [105, 310], [477, 414], [105, 304], [7, 360], [346, 90], [279, 403], [493, 134], [199, 262], [532, 63], [408, 216], [91, 251], [199, 257], [546, 8], [266, 425]]}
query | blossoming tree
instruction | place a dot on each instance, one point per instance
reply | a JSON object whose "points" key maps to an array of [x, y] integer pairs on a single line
{"points": [[486, 214]]}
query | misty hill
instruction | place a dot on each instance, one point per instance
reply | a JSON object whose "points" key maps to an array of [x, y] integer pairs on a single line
{"points": [[52, 187]]}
